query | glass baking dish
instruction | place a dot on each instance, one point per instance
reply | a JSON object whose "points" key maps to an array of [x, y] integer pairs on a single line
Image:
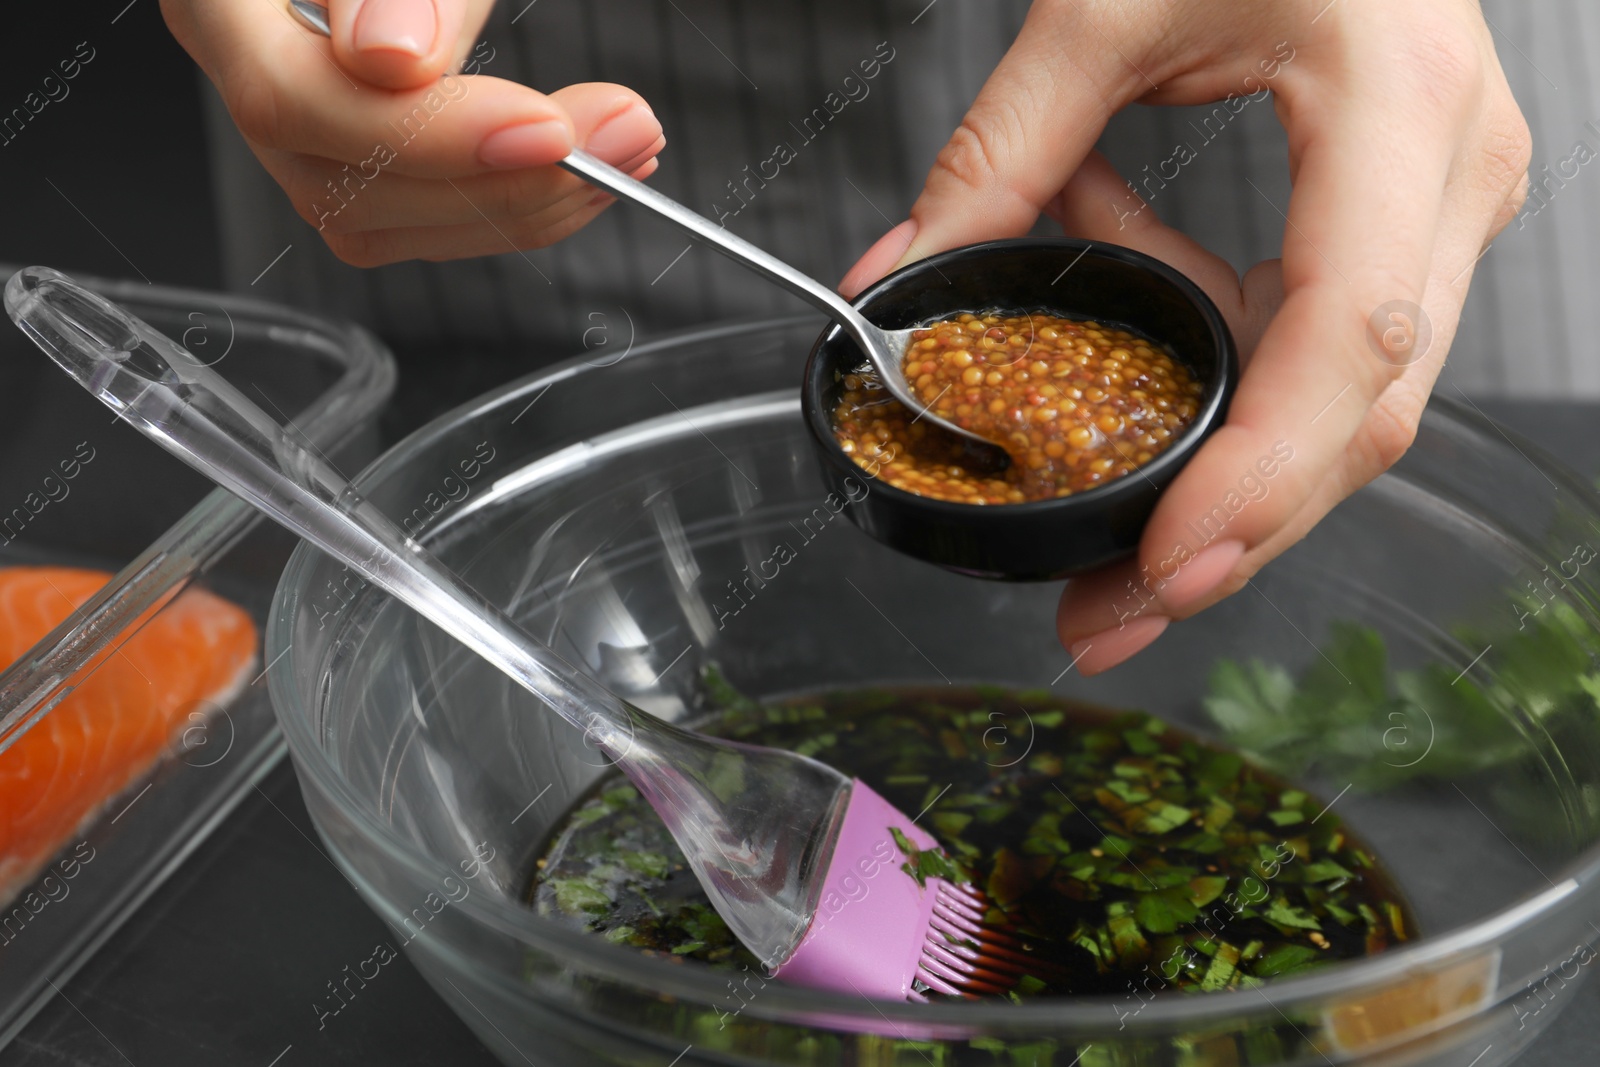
{"points": [[78, 488]]}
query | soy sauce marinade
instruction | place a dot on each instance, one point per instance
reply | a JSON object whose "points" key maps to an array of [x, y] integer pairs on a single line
{"points": [[1126, 851]]}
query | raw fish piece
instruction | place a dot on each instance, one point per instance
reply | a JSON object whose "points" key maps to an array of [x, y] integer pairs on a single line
{"points": [[191, 657]]}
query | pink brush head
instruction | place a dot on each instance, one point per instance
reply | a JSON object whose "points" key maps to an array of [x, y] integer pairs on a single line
{"points": [[879, 933]]}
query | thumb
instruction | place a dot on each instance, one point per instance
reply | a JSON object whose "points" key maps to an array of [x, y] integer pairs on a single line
{"points": [[1034, 121], [404, 44]]}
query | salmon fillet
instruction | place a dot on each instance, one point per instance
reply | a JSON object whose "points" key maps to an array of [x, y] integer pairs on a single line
{"points": [[192, 656]]}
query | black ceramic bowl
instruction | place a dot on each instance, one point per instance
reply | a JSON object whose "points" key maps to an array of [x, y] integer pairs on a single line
{"points": [[1049, 538]]}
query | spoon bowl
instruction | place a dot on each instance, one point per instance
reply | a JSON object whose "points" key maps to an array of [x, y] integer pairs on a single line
{"points": [[1045, 539]]}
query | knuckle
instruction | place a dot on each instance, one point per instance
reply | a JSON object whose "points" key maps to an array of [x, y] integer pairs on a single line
{"points": [[1389, 431], [358, 249], [1507, 155], [308, 198], [972, 156], [337, 222], [1511, 147], [256, 107], [177, 17], [518, 194], [991, 158], [1442, 64], [1516, 200], [1397, 331], [541, 231], [321, 201], [503, 199]]}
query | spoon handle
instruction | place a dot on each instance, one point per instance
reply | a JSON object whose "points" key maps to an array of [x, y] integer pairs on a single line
{"points": [[603, 175], [195, 414]]}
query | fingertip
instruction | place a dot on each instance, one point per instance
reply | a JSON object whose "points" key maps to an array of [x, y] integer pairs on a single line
{"points": [[1102, 651], [645, 163], [1184, 582], [627, 136], [1097, 601], [394, 44], [1169, 585], [886, 255]]}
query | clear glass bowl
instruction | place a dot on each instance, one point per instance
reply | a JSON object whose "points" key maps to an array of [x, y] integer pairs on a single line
{"points": [[628, 509]]}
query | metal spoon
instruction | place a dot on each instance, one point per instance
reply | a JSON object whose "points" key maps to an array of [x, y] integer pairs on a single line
{"points": [[884, 348]]}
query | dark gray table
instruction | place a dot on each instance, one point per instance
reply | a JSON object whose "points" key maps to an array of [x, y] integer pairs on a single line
{"points": [[226, 961]]}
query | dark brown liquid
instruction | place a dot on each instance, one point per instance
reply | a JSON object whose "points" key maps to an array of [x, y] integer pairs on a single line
{"points": [[1125, 851]]}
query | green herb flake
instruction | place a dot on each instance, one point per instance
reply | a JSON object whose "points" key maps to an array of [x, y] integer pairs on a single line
{"points": [[1125, 792], [1285, 914], [1126, 938], [1203, 891], [725, 776], [1284, 960], [1206, 844], [650, 864], [1344, 917], [950, 823], [578, 895], [1028, 985], [1164, 910], [1158, 817], [588, 814], [813, 745], [922, 864], [1325, 871], [1219, 813], [1141, 743], [1224, 965], [1116, 846]]}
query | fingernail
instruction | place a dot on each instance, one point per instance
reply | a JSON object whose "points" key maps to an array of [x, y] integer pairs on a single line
{"points": [[1201, 574], [532, 144], [879, 258], [624, 135], [396, 26], [1110, 647]]}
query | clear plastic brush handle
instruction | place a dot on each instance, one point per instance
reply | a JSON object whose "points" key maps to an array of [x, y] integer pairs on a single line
{"points": [[761, 887], [159, 387]]}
